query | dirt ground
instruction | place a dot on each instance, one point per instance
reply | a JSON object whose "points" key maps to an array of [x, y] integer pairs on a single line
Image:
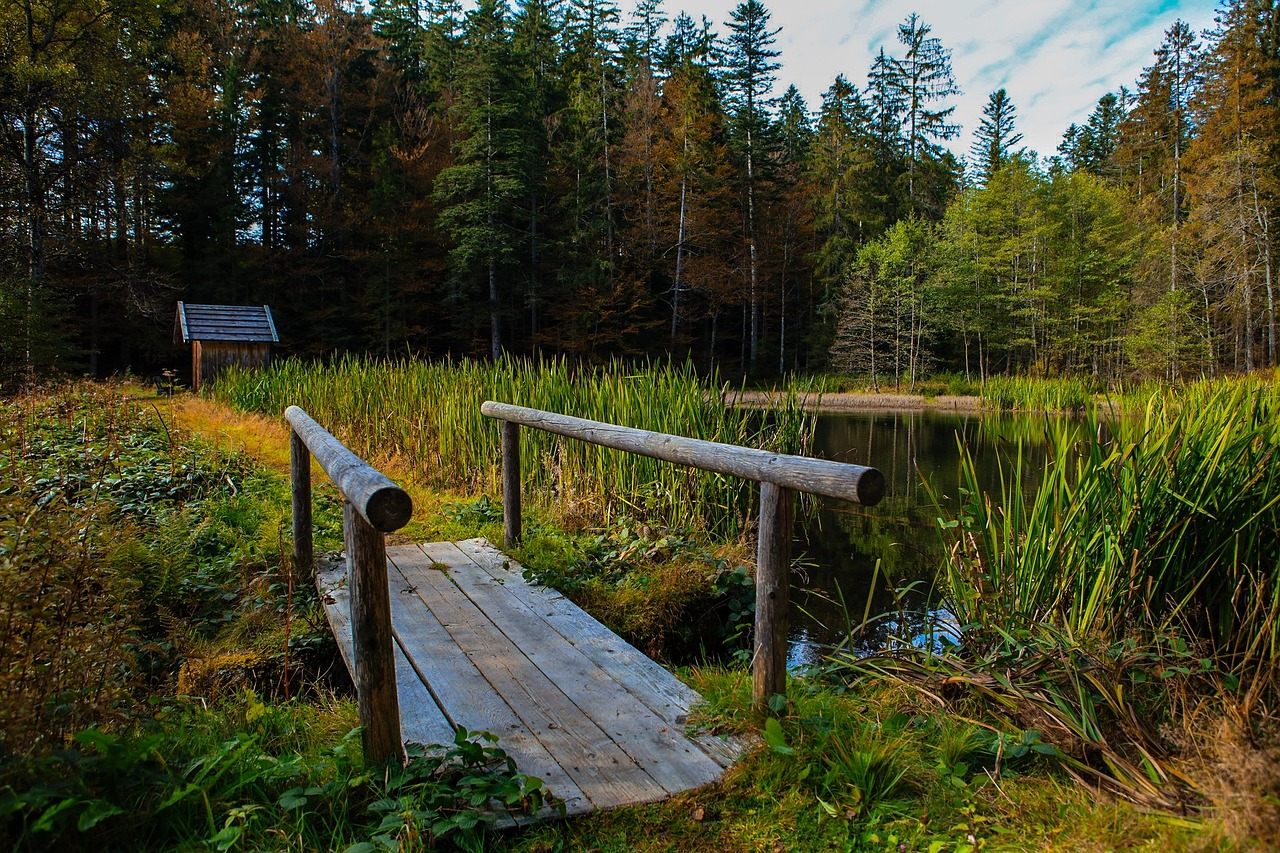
{"points": [[858, 402]]}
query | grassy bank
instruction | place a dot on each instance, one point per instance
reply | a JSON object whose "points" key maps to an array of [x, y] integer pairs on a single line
{"points": [[208, 721], [166, 681], [1001, 393], [1128, 610]]}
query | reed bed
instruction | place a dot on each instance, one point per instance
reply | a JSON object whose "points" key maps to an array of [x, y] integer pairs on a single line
{"points": [[427, 416], [1164, 521], [1133, 587], [1027, 394]]}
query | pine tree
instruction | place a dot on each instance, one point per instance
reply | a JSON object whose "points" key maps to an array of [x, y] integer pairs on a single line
{"points": [[585, 154], [887, 110], [995, 138], [693, 183], [1092, 147], [789, 214], [842, 164], [536, 60], [485, 188], [748, 78], [1154, 138], [921, 78], [1232, 184]]}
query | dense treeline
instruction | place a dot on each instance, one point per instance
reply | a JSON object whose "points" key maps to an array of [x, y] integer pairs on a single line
{"points": [[544, 176]]}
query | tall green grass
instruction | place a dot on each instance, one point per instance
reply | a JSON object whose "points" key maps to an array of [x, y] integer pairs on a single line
{"points": [[1028, 394], [1170, 521], [1137, 584], [428, 415]]}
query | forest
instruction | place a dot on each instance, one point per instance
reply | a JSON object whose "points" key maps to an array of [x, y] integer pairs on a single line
{"points": [[551, 177]]}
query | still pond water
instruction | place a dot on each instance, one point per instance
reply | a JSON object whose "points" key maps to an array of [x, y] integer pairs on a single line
{"points": [[838, 543]]}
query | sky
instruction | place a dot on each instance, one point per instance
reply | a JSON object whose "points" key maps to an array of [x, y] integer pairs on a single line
{"points": [[1054, 57]]}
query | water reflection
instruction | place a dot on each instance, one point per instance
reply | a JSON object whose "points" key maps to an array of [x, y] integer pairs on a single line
{"points": [[918, 452]]}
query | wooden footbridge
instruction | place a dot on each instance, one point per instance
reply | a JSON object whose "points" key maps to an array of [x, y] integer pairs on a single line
{"points": [[450, 634]]}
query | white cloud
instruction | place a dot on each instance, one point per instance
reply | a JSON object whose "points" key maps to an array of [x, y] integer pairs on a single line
{"points": [[1055, 57]]}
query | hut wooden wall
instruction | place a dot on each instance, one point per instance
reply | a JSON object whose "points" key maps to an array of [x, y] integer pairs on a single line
{"points": [[209, 358]]}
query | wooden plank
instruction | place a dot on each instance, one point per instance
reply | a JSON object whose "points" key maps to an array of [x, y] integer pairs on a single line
{"points": [[656, 745], [664, 694], [331, 581], [604, 772], [855, 483], [421, 718], [464, 694]]}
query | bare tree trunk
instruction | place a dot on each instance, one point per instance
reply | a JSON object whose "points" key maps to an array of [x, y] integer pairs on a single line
{"points": [[679, 282]]}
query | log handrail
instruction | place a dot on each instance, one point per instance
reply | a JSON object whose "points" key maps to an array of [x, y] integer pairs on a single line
{"points": [[779, 475], [373, 506], [856, 483]]}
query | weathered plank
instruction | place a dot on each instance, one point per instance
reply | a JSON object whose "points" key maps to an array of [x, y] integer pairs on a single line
{"points": [[855, 483], [656, 745], [421, 719], [476, 705], [663, 693], [605, 773], [335, 595]]}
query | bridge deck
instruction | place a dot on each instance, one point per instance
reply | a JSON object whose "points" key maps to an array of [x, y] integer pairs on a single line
{"points": [[600, 723]]}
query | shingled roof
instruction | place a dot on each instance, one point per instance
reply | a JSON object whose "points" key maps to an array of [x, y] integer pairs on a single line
{"points": [[247, 323]]}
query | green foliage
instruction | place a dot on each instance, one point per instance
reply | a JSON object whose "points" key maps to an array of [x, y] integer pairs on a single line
{"points": [[1136, 582], [1158, 521], [253, 789], [665, 593]]}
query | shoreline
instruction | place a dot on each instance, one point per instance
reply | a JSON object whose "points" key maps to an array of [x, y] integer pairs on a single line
{"points": [[855, 401]]}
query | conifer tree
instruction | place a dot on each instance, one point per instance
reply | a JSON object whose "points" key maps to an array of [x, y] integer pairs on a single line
{"points": [[692, 183], [1092, 147], [922, 78], [1154, 138], [748, 78], [485, 187], [887, 108], [789, 214], [842, 166], [995, 138], [536, 58]]}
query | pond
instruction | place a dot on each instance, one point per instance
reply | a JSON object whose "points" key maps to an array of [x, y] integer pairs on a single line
{"points": [[839, 543]]}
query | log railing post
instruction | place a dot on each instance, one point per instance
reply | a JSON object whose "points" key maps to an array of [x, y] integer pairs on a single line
{"points": [[510, 484], [773, 595], [376, 695], [373, 507], [300, 478]]}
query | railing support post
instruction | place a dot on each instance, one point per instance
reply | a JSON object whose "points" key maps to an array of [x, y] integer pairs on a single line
{"points": [[510, 484], [773, 594], [300, 477], [376, 696]]}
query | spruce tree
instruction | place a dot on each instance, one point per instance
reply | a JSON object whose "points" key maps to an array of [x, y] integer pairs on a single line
{"points": [[485, 188], [995, 138], [748, 78], [922, 78]]}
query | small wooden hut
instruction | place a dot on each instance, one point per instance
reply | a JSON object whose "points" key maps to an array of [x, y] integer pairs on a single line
{"points": [[222, 335]]}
